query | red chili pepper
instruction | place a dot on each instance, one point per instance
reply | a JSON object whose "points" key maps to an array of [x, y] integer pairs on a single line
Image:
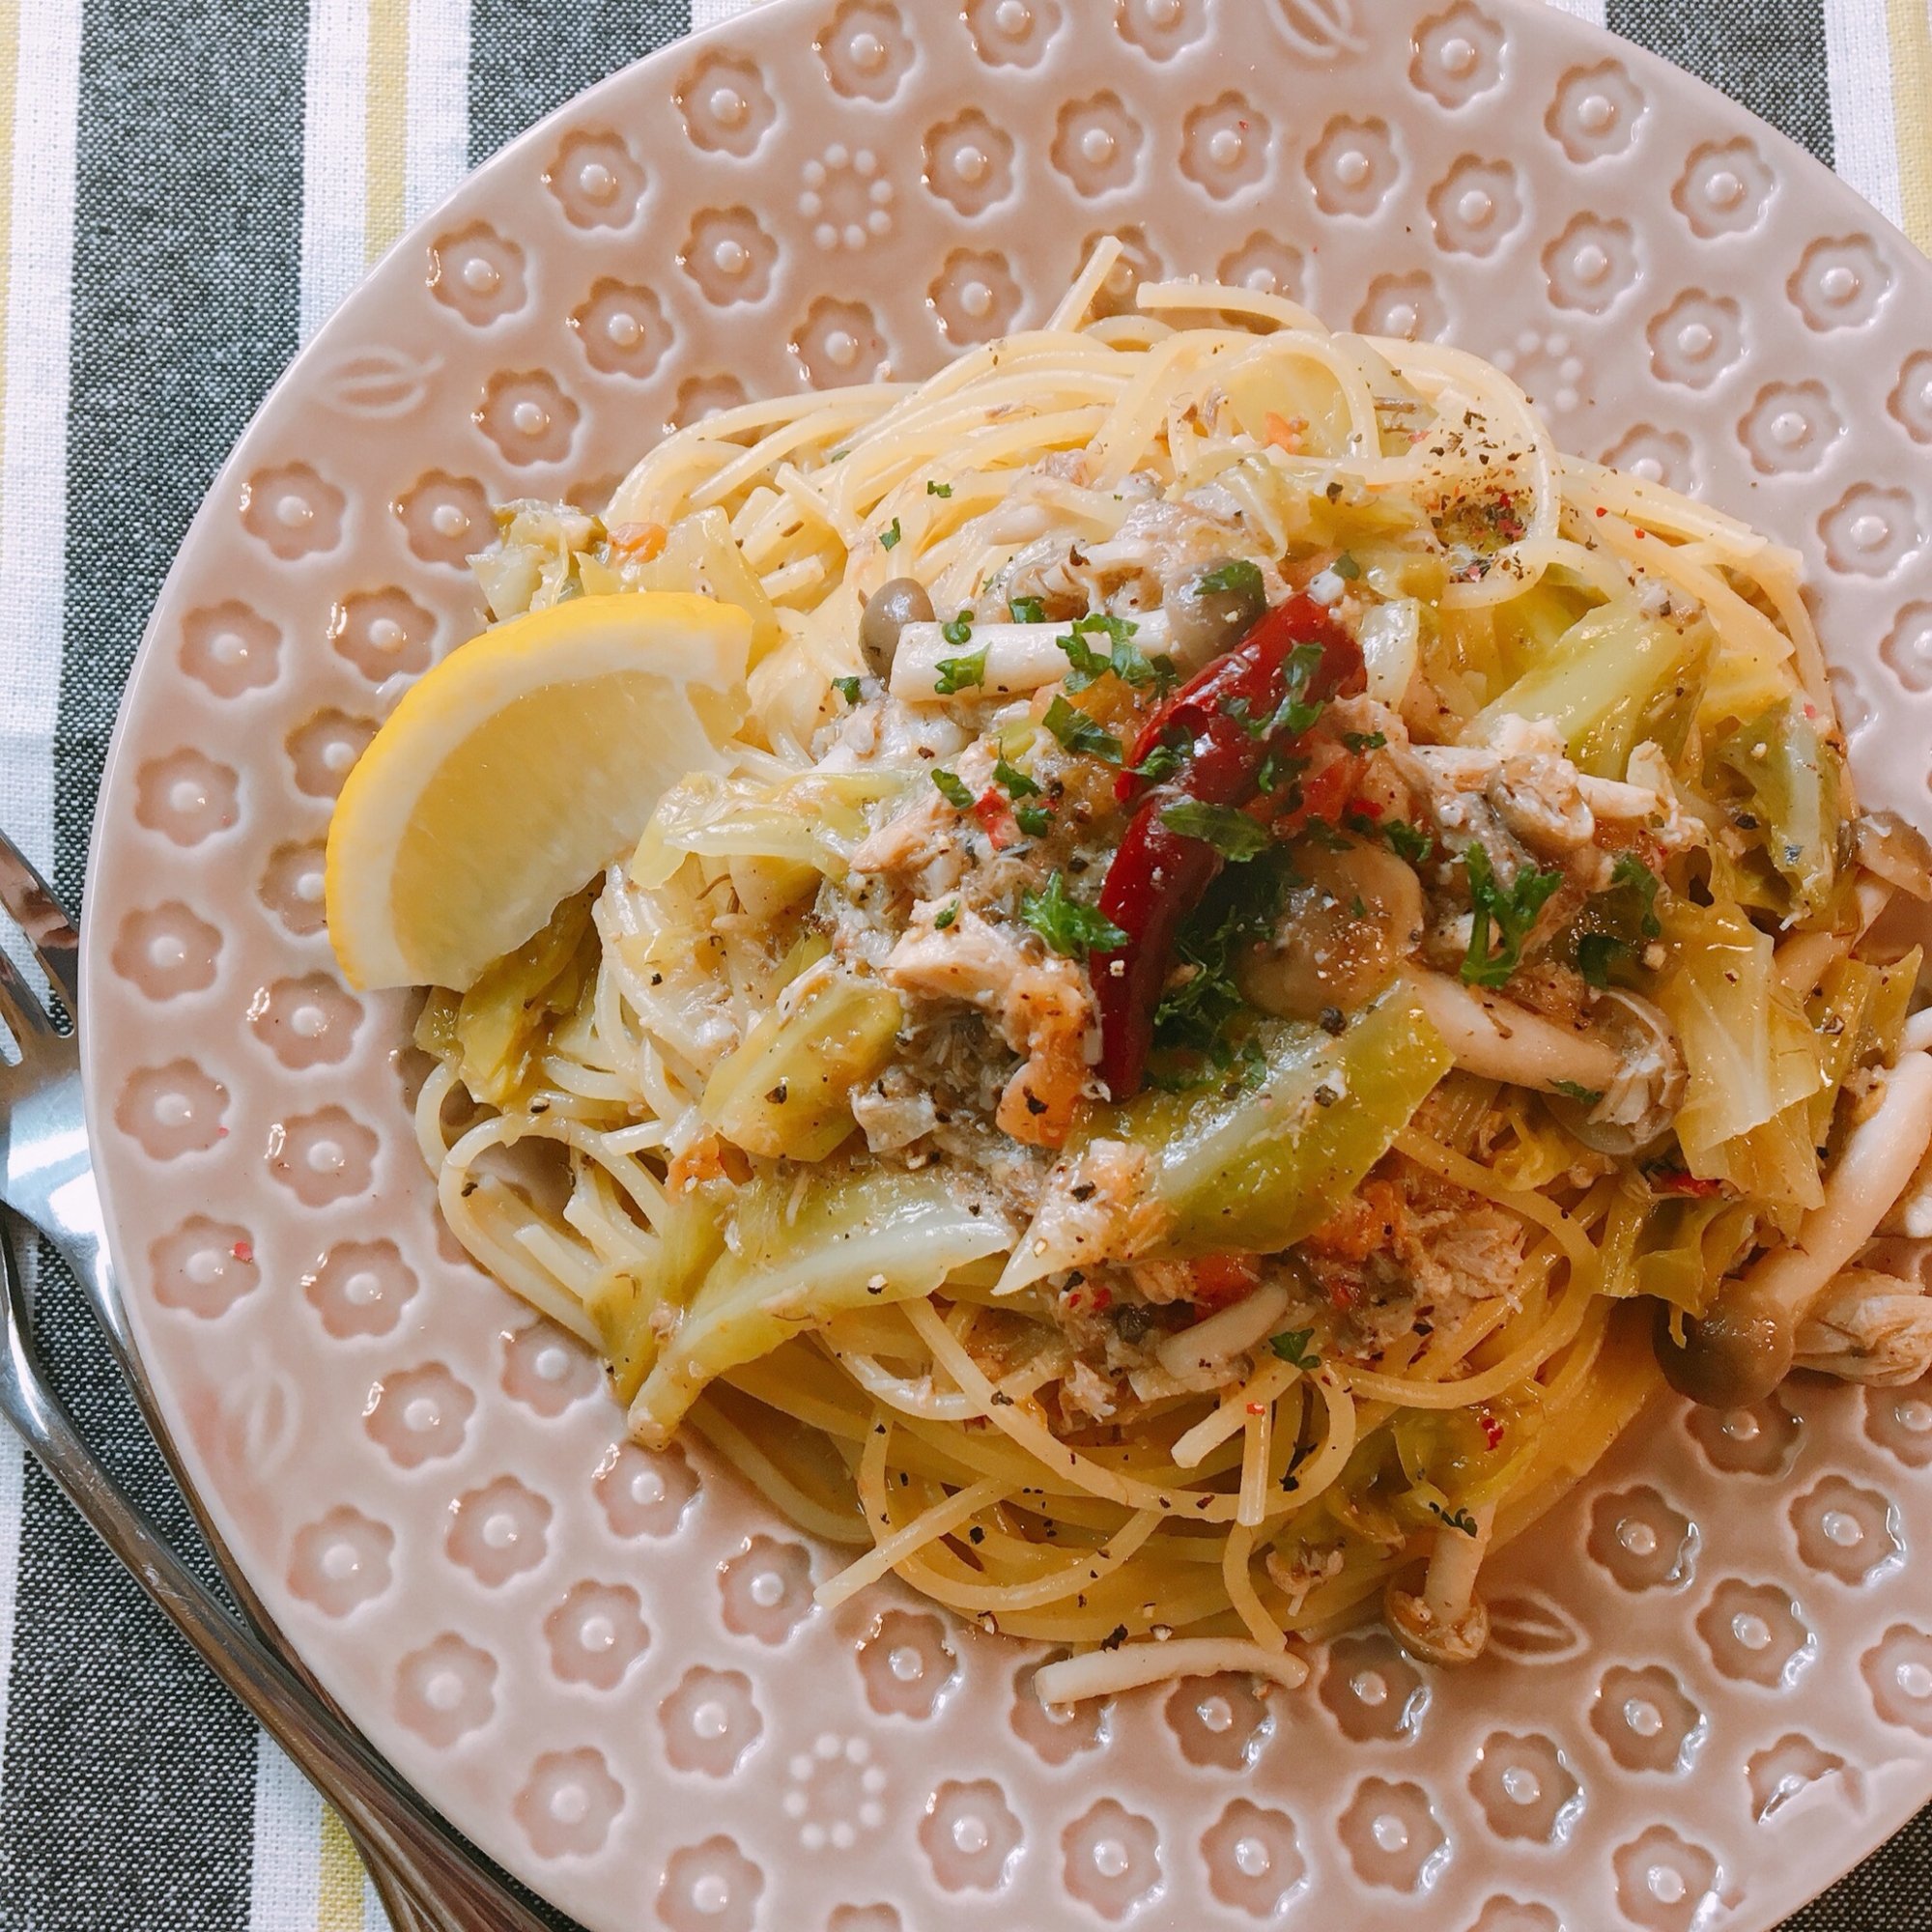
{"points": [[1492, 1430], [1158, 877]]}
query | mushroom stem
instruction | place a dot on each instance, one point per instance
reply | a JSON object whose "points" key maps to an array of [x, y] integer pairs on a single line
{"points": [[1019, 657], [1448, 1623], [1501, 1040], [1805, 957], [1450, 1591], [1742, 1347]]}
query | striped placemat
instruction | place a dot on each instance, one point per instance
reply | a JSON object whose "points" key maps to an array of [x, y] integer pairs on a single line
{"points": [[187, 187]]}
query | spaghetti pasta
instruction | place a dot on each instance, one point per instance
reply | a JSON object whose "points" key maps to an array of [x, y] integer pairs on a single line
{"points": [[997, 1106]]}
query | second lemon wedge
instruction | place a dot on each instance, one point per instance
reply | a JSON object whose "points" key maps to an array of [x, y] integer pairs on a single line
{"points": [[515, 769]]}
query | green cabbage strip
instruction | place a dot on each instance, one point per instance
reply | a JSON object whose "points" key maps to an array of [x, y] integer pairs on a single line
{"points": [[856, 1235], [1254, 1169], [1751, 1055]]}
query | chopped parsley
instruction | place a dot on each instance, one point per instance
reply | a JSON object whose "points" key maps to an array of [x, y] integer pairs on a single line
{"points": [[1596, 953], [1202, 1017], [1238, 574], [1027, 611], [848, 688], [889, 538], [1124, 658], [1574, 1090], [942, 920], [938, 489], [952, 789], [1016, 783], [1294, 714], [1035, 820], [1510, 910], [1632, 872], [1162, 762], [1409, 841], [958, 674], [1232, 833], [1359, 742], [960, 632], [1078, 732], [1460, 1519], [1072, 929], [1345, 568], [1293, 1348]]}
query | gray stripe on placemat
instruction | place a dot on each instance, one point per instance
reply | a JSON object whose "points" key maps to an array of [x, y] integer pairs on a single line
{"points": [[129, 1784], [1767, 54], [529, 56]]}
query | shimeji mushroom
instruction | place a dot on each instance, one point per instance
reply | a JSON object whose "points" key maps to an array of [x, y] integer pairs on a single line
{"points": [[1627, 1058], [1868, 1326], [1448, 1623], [1742, 1347]]}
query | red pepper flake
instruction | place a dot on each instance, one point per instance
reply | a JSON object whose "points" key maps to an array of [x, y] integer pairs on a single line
{"points": [[996, 815], [1601, 511], [243, 1251], [1492, 1430], [1257, 1408], [1668, 1180], [1103, 1299]]}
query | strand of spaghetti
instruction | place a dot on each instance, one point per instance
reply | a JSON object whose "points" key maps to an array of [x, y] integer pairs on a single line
{"points": [[1257, 1447], [1560, 1329], [1121, 441], [941, 1519], [1235, 1554], [431, 1140], [1595, 485], [1273, 1379], [1778, 573], [764, 1475], [1073, 305], [1277, 309], [833, 417], [1328, 352], [1068, 1581], [1300, 1487], [1731, 613], [805, 496], [1467, 1174], [1107, 1673], [1039, 1441], [498, 1252]]}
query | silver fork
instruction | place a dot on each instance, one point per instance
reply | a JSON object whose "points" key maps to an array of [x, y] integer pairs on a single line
{"points": [[427, 1879]]}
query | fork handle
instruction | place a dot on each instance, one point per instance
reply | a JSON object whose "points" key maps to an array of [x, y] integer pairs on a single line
{"points": [[453, 1894]]}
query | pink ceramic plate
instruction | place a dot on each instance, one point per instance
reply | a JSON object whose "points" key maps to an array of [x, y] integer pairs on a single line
{"points": [[1712, 1685]]}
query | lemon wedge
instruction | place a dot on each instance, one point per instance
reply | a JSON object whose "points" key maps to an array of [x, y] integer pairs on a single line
{"points": [[516, 770]]}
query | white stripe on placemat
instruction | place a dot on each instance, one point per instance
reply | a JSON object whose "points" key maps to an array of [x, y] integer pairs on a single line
{"points": [[1584, 10], [437, 136], [33, 470], [1858, 51], [335, 157], [283, 1892]]}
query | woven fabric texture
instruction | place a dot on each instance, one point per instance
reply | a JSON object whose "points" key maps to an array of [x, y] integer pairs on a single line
{"points": [[187, 189]]}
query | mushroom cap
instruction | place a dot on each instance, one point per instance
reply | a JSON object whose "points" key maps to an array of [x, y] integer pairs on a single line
{"points": [[1733, 1355], [1424, 1634]]}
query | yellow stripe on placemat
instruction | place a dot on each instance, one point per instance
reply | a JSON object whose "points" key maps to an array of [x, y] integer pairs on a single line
{"points": [[339, 1881], [386, 129], [1910, 32]]}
